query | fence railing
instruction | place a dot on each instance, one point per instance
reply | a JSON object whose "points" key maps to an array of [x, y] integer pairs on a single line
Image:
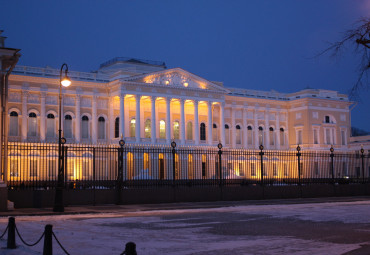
{"points": [[35, 166]]}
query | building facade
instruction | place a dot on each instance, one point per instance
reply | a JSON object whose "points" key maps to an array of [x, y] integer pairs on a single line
{"points": [[146, 103]]}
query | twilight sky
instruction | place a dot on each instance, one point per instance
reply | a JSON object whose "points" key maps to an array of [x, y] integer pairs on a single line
{"points": [[263, 45]]}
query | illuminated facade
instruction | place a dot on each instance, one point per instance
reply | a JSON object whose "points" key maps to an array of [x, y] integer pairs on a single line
{"points": [[147, 103]]}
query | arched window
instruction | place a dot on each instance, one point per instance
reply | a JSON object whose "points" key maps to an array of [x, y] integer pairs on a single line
{"points": [[85, 127], [147, 128], [50, 125], [227, 134], [282, 137], [132, 127], [68, 126], [272, 136], [13, 124], [260, 135], [162, 129], [176, 130], [189, 131], [202, 131], [238, 135], [32, 124], [116, 128], [215, 132], [101, 128], [249, 135]]}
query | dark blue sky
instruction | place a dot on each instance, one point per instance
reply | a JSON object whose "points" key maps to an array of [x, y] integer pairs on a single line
{"points": [[260, 45]]}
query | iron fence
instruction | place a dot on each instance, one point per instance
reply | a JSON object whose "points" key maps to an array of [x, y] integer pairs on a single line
{"points": [[35, 166]]}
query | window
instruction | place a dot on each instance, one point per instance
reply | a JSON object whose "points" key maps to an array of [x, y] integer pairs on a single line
{"points": [[32, 124], [162, 129], [327, 119], [116, 128], [33, 168], [327, 134], [285, 168], [253, 169], [202, 131], [146, 162], [316, 167], [50, 125], [132, 127], [214, 132], [176, 130], [227, 134], [52, 167], [130, 165], [274, 169], [345, 169], [260, 135], [249, 135], [189, 131], [14, 169], [272, 136], [68, 126], [282, 137], [299, 137], [85, 127], [241, 169], [204, 163], [148, 128], [13, 124], [238, 139], [101, 128], [343, 136], [190, 167], [315, 136]]}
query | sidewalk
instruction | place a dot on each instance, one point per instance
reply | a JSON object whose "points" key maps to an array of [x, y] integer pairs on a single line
{"points": [[89, 209]]}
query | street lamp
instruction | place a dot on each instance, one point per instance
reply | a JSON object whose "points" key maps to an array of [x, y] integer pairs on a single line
{"points": [[65, 82]]}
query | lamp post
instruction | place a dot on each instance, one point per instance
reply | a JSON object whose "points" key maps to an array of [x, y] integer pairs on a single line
{"points": [[65, 82]]}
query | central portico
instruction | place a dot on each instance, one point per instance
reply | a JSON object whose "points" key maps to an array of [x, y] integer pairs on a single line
{"points": [[170, 104]]}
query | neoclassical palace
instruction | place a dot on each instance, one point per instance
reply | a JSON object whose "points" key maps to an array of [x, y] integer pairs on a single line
{"points": [[146, 103]]}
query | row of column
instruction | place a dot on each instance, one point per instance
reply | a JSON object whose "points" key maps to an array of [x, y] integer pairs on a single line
{"points": [[139, 120], [256, 130]]}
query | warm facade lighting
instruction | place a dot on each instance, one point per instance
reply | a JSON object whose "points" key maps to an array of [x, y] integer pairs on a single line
{"points": [[186, 84], [167, 82]]}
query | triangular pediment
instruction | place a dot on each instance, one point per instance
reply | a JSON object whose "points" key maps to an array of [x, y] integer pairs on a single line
{"points": [[177, 77]]}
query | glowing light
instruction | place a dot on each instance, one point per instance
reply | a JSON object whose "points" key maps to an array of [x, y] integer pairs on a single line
{"points": [[66, 81], [167, 82], [186, 84]]}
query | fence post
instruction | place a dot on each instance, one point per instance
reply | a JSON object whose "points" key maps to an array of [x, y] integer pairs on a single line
{"points": [[65, 164], [173, 145], [261, 154], [299, 164], [11, 234], [219, 146], [94, 175], [362, 163], [120, 171], [332, 163], [48, 240]]}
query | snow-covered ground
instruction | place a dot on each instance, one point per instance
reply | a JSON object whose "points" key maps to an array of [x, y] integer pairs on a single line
{"points": [[316, 228]]}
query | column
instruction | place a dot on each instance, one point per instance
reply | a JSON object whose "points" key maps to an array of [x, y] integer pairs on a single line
{"points": [[153, 120], [210, 124], [121, 116], [222, 123], [126, 120], [42, 117], [196, 122], [245, 142], [256, 142], [277, 130], [137, 119], [24, 115], [233, 130], [94, 123], [267, 131], [168, 120], [182, 121], [78, 119]]}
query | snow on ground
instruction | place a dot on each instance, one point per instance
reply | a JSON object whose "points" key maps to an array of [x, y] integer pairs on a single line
{"points": [[249, 229]]}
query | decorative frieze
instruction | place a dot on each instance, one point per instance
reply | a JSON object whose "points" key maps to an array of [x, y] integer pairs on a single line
{"points": [[86, 102], [68, 101], [15, 97], [52, 100], [102, 104], [33, 98]]}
